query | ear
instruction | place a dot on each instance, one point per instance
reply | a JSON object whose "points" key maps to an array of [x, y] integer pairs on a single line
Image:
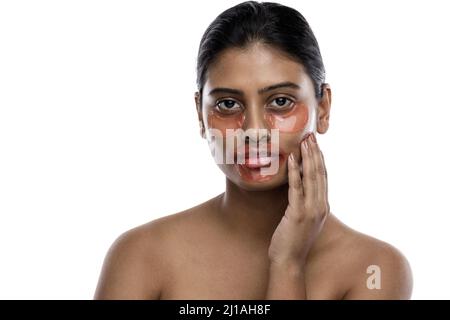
{"points": [[198, 105], [323, 110]]}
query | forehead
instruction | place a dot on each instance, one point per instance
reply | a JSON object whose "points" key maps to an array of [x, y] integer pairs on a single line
{"points": [[257, 65]]}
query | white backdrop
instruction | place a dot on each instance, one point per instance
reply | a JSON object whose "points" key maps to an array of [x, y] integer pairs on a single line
{"points": [[87, 151]]}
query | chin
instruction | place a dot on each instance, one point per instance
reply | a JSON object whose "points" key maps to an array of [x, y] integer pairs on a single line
{"points": [[261, 186]]}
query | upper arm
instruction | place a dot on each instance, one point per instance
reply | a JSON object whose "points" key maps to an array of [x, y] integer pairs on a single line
{"points": [[384, 274], [129, 269]]}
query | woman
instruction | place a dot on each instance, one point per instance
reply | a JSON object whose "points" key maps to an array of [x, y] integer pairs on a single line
{"points": [[270, 235]]}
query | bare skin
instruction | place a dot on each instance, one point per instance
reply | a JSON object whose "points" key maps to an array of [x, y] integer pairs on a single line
{"points": [[270, 240]]}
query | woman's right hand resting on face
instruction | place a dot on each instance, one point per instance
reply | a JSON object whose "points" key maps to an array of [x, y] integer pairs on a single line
{"points": [[302, 222]]}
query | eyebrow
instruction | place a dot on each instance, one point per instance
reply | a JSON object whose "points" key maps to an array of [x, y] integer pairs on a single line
{"points": [[286, 84]]}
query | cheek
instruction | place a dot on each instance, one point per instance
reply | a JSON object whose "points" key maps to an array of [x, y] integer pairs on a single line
{"points": [[291, 122], [221, 148], [290, 142], [221, 123]]}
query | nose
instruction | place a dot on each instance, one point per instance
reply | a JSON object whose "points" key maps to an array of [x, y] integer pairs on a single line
{"points": [[255, 125]]}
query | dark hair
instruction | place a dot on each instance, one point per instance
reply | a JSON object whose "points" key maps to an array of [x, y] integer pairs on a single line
{"points": [[269, 23]]}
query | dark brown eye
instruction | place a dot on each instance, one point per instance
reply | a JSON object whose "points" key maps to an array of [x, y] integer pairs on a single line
{"points": [[228, 106], [281, 103]]}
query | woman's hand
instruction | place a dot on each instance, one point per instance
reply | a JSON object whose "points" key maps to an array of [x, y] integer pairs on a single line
{"points": [[307, 209]]}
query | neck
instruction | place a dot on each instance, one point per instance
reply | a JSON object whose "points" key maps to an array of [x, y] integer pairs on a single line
{"points": [[254, 214]]}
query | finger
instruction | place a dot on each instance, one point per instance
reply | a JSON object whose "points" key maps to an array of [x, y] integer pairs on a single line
{"points": [[309, 177], [298, 156], [321, 177], [326, 174], [295, 193]]}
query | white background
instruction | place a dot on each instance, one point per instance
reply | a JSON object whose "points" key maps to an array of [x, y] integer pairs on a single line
{"points": [[98, 130]]}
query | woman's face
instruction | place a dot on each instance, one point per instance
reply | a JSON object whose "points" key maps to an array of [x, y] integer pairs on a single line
{"points": [[266, 97]]}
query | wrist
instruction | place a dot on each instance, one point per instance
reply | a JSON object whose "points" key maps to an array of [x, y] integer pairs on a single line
{"points": [[286, 281], [287, 267]]}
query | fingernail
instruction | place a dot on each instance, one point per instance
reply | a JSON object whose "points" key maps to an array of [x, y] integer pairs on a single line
{"points": [[291, 157], [305, 143], [313, 137]]}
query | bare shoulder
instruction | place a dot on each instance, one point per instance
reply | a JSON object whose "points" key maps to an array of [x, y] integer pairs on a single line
{"points": [[132, 266], [372, 268], [137, 263]]}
